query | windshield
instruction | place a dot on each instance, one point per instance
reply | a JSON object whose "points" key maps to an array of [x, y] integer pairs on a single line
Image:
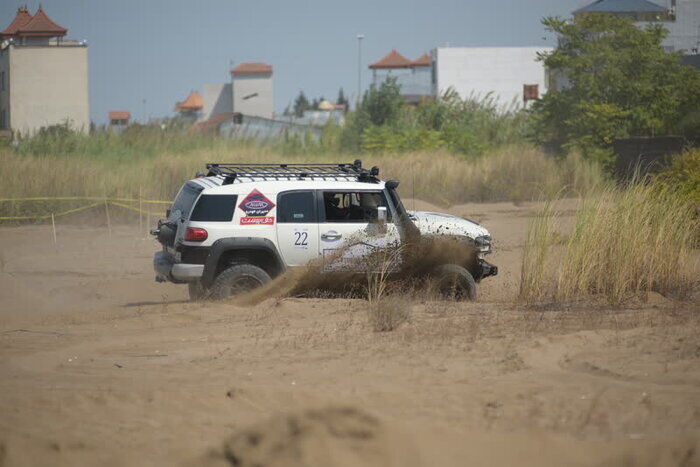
{"points": [[184, 201]]}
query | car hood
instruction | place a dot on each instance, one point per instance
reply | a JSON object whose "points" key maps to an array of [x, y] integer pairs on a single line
{"points": [[435, 223]]}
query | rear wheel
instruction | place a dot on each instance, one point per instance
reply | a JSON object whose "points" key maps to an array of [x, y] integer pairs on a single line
{"points": [[455, 282], [238, 279]]}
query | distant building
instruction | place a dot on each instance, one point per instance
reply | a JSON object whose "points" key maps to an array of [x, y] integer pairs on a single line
{"points": [[190, 109], [119, 119], [414, 76], [250, 93], [253, 91], [43, 78], [218, 99], [505, 74], [509, 75], [680, 17]]}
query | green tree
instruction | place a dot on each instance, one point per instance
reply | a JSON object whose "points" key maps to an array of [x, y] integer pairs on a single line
{"points": [[615, 81], [342, 100], [380, 105], [301, 104]]}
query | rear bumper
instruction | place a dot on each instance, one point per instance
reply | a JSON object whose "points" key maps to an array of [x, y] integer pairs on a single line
{"points": [[169, 270]]}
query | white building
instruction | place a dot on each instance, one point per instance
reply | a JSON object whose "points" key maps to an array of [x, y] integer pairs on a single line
{"points": [[43, 78], [218, 99], [680, 17], [250, 93], [503, 73]]}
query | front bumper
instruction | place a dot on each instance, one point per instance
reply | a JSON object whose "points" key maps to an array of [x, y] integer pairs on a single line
{"points": [[169, 270], [485, 269]]}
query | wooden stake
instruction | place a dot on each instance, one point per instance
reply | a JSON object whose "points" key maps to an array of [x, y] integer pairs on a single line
{"points": [[140, 211], [109, 224], [53, 225]]}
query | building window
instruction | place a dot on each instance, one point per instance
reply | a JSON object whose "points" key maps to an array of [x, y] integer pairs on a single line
{"points": [[2, 80], [2, 119]]}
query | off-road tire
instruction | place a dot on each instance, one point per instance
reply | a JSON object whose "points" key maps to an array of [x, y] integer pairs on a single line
{"points": [[237, 279], [197, 291], [455, 282]]}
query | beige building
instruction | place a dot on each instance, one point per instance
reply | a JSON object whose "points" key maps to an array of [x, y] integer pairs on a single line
{"points": [[43, 78], [253, 89]]}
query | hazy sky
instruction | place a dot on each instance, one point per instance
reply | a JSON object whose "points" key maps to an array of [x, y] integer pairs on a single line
{"points": [[157, 51]]}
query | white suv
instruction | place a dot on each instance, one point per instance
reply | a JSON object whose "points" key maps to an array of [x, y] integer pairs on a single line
{"points": [[243, 224]]}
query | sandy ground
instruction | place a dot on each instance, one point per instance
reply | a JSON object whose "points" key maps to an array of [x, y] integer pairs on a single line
{"points": [[100, 365]]}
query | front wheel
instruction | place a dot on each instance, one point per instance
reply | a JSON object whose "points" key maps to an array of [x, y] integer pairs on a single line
{"points": [[455, 282], [238, 279]]}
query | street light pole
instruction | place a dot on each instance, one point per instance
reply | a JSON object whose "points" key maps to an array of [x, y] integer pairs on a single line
{"points": [[359, 68]]}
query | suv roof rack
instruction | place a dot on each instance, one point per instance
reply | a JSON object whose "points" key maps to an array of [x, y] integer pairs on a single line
{"points": [[346, 171]]}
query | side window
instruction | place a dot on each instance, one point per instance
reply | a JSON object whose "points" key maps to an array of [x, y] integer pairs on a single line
{"points": [[296, 207], [357, 206], [214, 208]]}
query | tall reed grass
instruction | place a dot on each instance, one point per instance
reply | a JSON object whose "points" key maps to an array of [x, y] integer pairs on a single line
{"points": [[515, 173], [625, 243]]}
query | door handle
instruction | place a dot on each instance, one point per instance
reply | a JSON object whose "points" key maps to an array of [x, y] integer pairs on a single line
{"points": [[332, 235]]}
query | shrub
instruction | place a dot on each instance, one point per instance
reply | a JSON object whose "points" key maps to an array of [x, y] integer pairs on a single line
{"points": [[684, 175]]}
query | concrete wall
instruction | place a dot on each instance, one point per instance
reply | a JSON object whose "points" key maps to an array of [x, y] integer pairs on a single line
{"points": [[268, 129], [478, 71], [4, 89], [48, 86], [261, 105], [218, 99]]}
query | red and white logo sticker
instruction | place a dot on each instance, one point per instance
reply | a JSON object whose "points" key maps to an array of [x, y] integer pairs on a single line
{"points": [[257, 220], [256, 207]]}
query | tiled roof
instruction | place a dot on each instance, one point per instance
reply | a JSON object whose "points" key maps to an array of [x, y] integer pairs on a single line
{"points": [[392, 60], [21, 18], [422, 61], [251, 68], [119, 115], [41, 26], [621, 6], [192, 102]]}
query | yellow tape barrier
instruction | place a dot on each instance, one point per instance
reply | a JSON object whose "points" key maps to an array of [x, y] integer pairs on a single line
{"points": [[119, 202], [87, 198]]}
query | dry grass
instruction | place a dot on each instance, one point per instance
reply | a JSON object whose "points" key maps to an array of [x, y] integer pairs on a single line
{"points": [[385, 311], [511, 174], [625, 243], [517, 173]]}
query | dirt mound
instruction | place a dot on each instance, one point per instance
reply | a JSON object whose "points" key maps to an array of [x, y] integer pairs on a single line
{"points": [[332, 436]]}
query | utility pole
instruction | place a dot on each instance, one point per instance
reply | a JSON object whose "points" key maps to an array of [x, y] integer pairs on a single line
{"points": [[359, 69]]}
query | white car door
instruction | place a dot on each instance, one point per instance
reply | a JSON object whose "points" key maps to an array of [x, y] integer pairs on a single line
{"points": [[348, 227], [297, 227]]}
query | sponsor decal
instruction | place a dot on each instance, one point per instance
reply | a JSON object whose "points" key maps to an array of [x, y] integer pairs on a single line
{"points": [[257, 220], [256, 207]]}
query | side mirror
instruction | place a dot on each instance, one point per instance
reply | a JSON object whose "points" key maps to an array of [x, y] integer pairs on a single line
{"points": [[167, 213]]}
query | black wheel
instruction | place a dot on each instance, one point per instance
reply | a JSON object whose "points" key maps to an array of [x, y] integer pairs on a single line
{"points": [[455, 282], [237, 279], [197, 291]]}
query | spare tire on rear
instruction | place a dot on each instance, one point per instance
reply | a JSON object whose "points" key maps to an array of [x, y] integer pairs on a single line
{"points": [[238, 279], [455, 282]]}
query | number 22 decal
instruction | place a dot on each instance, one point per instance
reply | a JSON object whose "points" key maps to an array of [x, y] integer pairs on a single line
{"points": [[301, 239]]}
